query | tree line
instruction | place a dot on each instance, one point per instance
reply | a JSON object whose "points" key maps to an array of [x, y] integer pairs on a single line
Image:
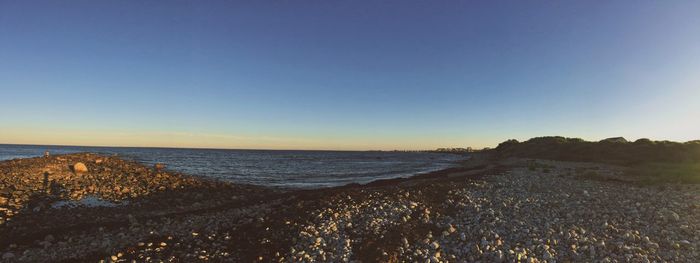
{"points": [[613, 150]]}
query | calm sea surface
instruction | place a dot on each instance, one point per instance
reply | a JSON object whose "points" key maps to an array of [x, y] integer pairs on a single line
{"points": [[303, 169]]}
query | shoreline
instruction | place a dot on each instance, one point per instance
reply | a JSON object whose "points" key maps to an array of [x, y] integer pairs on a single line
{"points": [[285, 181], [460, 213]]}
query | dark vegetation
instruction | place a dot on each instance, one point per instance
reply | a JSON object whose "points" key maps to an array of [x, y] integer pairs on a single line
{"points": [[532, 165], [653, 173], [655, 161], [613, 150]]}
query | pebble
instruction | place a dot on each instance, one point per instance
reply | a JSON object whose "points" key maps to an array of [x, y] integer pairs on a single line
{"points": [[8, 256], [517, 215]]}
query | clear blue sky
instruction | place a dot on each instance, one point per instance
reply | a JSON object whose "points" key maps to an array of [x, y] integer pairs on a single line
{"points": [[346, 74]]}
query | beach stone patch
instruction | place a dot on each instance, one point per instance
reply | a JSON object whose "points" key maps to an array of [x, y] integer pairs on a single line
{"points": [[512, 214]]}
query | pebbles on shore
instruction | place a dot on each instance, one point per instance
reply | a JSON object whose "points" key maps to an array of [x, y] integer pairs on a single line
{"points": [[520, 215], [507, 215], [36, 182], [97, 210]]}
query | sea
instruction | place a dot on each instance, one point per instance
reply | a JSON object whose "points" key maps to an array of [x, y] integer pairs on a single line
{"points": [[274, 168]]}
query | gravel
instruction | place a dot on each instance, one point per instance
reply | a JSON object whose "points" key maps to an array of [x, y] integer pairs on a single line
{"points": [[506, 213]]}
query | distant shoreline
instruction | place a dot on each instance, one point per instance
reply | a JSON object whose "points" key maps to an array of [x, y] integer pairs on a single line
{"points": [[215, 149]]}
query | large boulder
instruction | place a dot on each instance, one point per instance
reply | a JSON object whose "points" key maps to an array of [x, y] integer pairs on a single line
{"points": [[79, 168]]}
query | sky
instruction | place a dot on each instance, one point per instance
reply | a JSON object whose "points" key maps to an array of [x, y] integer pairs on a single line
{"points": [[346, 75]]}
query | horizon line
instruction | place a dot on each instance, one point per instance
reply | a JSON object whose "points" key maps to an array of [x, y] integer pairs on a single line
{"points": [[208, 148]]}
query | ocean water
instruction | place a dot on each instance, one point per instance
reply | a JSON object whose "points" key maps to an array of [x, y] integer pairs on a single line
{"points": [[298, 169]]}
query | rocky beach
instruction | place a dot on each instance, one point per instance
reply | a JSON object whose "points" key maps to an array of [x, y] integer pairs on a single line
{"points": [[350, 131], [92, 208]]}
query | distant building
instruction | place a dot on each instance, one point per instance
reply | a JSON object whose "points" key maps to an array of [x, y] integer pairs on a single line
{"points": [[455, 150]]}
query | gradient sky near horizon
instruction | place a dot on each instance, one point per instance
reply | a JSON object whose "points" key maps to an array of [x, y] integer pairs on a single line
{"points": [[346, 74]]}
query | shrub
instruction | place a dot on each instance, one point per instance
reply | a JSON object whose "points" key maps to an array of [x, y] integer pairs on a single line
{"points": [[666, 172]]}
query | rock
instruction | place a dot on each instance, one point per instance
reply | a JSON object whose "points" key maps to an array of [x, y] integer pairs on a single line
{"points": [[451, 229], [498, 257], [547, 255], [8, 256], [46, 154], [3, 200], [669, 215], [435, 245], [159, 166], [79, 168], [674, 216]]}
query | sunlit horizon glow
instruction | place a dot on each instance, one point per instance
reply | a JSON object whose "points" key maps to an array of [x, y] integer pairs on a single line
{"points": [[361, 75]]}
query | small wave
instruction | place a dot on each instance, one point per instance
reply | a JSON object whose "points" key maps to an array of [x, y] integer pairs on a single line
{"points": [[277, 168]]}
